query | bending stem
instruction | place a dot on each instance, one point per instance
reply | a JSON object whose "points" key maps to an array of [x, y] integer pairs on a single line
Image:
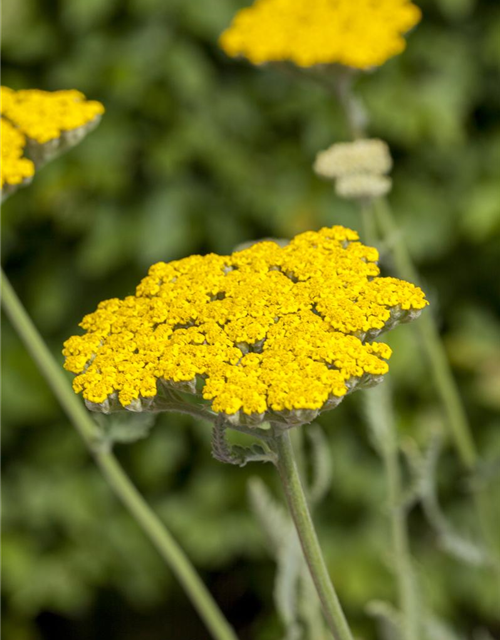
{"points": [[407, 591], [432, 343], [299, 510], [152, 526]]}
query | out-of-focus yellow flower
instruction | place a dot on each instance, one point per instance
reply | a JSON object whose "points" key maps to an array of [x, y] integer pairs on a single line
{"points": [[265, 331], [354, 33], [46, 115], [15, 168], [38, 125]]}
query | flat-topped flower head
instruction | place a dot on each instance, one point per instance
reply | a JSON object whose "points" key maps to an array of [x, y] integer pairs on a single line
{"points": [[268, 333], [353, 33], [16, 169], [46, 115], [39, 125]]}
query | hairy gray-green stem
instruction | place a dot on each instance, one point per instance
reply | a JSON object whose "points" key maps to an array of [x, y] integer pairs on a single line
{"points": [[152, 526]]}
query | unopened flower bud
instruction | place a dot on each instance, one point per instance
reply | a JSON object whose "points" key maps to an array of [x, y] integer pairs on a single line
{"points": [[348, 158], [362, 185]]}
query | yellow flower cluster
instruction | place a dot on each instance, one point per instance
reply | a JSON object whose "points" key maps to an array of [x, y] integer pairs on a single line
{"points": [[45, 115], [354, 33], [15, 168], [266, 329], [40, 124]]}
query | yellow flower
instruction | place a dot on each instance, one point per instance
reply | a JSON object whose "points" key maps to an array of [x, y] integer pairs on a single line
{"points": [[15, 168], [45, 115], [265, 332], [354, 33], [40, 125]]}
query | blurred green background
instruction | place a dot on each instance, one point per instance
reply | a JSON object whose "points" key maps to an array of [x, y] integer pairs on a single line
{"points": [[197, 153]]}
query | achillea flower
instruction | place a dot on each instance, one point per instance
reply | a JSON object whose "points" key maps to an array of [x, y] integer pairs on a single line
{"points": [[359, 34], [44, 116], [15, 169], [41, 125], [266, 333]]}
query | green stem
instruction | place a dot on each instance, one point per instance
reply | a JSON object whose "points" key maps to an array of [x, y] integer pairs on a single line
{"points": [[408, 596], [299, 510], [167, 546], [118, 480], [426, 325], [432, 343], [369, 226], [353, 109]]}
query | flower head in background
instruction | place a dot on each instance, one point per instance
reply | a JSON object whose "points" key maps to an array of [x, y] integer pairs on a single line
{"points": [[361, 156], [358, 168], [354, 33], [16, 169], [38, 125], [267, 333]]}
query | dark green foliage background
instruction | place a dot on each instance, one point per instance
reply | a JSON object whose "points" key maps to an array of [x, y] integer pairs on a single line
{"points": [[198, 153]]}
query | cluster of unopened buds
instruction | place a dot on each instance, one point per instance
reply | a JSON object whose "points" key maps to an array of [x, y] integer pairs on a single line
{"points": [[358, 168], [267, 334], [39, 125]]}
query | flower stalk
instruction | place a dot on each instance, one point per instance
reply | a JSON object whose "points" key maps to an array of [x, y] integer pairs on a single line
{"points": [[446, 385], [382, 217], [124, 489], [297, 504], [433, 345], [407, 590]]}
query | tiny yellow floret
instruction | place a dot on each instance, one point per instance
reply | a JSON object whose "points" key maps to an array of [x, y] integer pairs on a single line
{"points": [[353, 33], [267, 329]]}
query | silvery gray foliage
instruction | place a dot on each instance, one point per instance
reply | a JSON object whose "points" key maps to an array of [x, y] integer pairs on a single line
{"points": [[424, 466], [391, 623], [388, 617], [321, 464], [436, 629], [379, 416], [122, 428]]}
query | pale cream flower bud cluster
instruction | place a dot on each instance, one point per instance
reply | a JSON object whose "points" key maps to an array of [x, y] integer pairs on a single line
{"points": [[358, 168]]}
